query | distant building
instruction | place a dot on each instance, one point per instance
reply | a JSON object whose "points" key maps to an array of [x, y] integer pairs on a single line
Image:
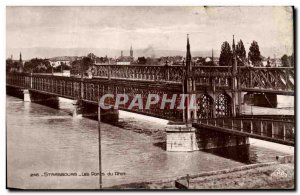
{"points": [[63, 60], [101, 60], [271, 62], [208, 59], [171, 60], [125, 60], [56, 63], [17, 65]]}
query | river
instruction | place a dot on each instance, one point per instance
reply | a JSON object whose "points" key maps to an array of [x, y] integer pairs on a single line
{"points": [[42, 141]]}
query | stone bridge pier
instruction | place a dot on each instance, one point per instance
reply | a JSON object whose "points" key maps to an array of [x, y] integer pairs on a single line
{"points": [[33, 96], [90, 110], [183, 137], [41, 98]]}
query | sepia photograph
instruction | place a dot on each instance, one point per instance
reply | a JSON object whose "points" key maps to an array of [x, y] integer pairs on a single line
{"points": [[150, 98]]}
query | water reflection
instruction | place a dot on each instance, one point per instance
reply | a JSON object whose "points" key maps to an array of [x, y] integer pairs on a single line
{"points": [[246, 154]]}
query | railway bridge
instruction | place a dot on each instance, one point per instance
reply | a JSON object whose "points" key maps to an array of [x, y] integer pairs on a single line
{"points": [[220, 93]]}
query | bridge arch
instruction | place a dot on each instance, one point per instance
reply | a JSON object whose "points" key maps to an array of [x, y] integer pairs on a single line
{"points": [[205, 106], [223, 105]]}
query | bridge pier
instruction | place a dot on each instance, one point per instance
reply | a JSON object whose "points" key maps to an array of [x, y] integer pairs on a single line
{"points": [[77, 109], [110, 115], [90, 110], [41, 98], [181, 137], [33, 96], [16, 92], [26, 94], [208, 139]]}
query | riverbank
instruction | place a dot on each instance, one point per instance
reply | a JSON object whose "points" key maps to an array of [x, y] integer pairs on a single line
{"points": [[271, 175]]}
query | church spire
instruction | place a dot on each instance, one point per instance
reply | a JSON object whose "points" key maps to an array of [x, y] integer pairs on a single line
{"points": [[188, 53], [131, 51], [20, 57], [233, 44], [234, 60]]}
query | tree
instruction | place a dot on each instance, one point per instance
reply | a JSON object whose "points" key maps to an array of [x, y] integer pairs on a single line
{"points": [[288, 61], [225, 55], [285, 61], [254, 54], [92, 56], [241, 53], [292, 60], [37, 65], [81, 65], [142, 60]]}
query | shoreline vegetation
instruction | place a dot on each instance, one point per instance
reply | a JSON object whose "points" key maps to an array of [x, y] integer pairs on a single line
{"points": [[271, 175]]}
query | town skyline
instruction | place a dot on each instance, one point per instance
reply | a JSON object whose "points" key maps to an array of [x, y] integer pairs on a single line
{"points": [[157, 28]]}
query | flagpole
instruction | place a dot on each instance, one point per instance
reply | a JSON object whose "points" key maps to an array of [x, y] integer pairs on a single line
{"points": [[99, 141]]}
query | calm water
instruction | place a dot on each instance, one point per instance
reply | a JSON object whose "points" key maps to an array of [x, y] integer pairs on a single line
{"points": [[42, 139]]}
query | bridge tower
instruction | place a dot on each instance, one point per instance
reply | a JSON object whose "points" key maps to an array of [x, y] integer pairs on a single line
{"points": [[189, 86], [181, 136], [236, 93]]}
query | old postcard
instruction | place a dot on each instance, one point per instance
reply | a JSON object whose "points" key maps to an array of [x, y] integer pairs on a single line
{"points": [[140, 97]]}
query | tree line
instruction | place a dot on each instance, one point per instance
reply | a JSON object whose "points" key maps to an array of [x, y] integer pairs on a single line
{"points": [[226, 54], [84, 64], [254, 55], [38, 65]]}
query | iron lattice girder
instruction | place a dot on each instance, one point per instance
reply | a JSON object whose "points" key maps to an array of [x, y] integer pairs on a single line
{"points": [[157, 79], [273, 128], [276, 79], [140, 72]]}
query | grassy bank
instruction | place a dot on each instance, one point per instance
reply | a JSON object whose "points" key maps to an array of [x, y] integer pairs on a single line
{"points": [[259, 176], [277, 176]]}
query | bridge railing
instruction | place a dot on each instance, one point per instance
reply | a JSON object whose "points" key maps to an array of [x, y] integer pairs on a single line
{"points": [[218, 76], [18, 79], [91, 90], [275, 78], [278, 129], [203, 75], [140, 72], [63, 86]]}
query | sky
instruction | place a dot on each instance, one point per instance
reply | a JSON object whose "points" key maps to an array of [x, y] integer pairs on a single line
{"points": [[161, 28]]}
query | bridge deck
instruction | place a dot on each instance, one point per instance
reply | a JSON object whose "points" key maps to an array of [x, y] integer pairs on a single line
{"points": [[90, 90]]}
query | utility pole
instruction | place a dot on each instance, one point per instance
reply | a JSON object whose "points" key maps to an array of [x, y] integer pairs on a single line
{"points": [[81, 79], [61, 68], [99, 139], [52, 69]]}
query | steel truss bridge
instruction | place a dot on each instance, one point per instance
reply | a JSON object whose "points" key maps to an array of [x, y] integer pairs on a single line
{"points": [[218, 88]]}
